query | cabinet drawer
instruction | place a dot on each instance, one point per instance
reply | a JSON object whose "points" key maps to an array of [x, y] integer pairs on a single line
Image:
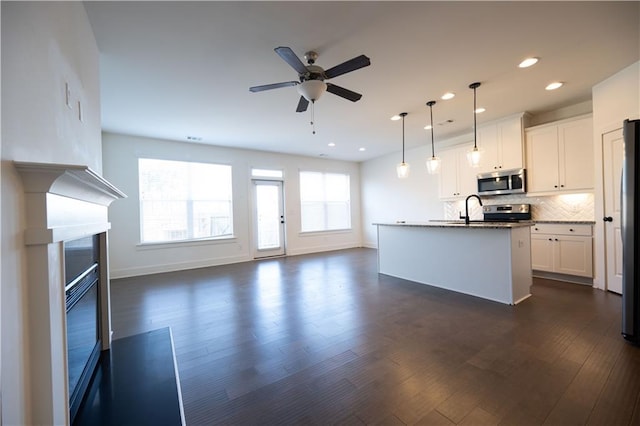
{"points": [[561, 229]]}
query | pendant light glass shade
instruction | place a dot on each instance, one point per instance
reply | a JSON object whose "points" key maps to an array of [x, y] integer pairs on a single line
{"points": [[433, 163], [403, 168], [474, 155]]}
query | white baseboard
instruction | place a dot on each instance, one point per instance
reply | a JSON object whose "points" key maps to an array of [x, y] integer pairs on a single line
{"points": [[562, 277], [172, 267], [321, 249]]}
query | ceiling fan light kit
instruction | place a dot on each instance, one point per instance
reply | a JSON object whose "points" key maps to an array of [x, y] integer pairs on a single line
{"points": [[311, 90]]}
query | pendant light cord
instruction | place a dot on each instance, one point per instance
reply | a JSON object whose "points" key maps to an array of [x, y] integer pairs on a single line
{"points": [[403, 139], [475, 132], [474, 86], [433, 152]]}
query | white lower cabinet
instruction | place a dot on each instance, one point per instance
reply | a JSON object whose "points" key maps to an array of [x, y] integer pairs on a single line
{"points": [[562, 248]]}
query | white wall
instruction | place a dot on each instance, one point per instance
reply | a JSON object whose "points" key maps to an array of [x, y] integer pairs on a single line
{"points": [[385, 198], [128, 258], [44, 45], [614, 100]]}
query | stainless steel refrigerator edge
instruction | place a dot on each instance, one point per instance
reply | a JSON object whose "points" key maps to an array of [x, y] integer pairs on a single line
{"points": [[630, 219]]}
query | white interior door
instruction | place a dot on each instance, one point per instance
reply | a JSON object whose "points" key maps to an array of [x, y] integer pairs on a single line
{"points": [[612, 150], [268, 235]]}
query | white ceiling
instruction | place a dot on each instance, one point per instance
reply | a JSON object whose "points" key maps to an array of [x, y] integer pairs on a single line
{"points": [[177, 69]]}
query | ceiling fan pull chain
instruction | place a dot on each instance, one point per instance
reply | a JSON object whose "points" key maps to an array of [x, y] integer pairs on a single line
{"points": [[313, 124]]}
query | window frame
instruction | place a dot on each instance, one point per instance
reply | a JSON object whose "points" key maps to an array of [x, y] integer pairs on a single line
{"points": [[188, 241], [325, 231]]}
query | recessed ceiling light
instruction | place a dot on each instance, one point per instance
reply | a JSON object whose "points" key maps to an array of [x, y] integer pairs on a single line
{"points": [[528, 62], [194, 138], [553, 86], [448, 95], [480, 110], [427, 127], [362, 149], [331, 144], [396, 118]]}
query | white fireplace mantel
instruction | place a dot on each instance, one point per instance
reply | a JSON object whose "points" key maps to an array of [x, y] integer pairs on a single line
{"points": [[63, 202]]}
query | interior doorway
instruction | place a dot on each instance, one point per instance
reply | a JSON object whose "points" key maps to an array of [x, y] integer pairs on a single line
{"points": [[268, 229], [612, 156]]}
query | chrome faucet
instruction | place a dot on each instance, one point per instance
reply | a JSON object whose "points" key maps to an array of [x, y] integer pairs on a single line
{"points": [[466, 207]]}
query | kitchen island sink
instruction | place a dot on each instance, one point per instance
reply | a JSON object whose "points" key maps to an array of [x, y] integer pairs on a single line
{"points": [[491, 260]]}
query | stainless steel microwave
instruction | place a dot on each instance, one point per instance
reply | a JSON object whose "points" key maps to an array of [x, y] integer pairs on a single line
{"points": [[502, 182]]}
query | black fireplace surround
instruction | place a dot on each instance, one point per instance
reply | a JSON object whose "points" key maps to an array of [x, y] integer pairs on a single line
{"points": [[81, 259]]}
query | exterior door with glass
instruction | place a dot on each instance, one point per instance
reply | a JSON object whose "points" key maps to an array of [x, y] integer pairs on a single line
{"points": [[268, 213]]}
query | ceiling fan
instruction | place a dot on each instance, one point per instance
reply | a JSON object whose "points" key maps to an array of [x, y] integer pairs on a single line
{"points": [[312, 77]]}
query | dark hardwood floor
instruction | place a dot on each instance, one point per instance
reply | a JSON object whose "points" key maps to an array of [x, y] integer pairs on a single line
{"points": [[323, 339]]}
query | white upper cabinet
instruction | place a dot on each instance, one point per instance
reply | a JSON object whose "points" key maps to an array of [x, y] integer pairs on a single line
{"points": [[457, 178], [560, 156], [502, 144]]}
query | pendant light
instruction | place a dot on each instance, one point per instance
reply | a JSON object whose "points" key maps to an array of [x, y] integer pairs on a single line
{"points": [[473, 155], [403, 168], [433, 163]]}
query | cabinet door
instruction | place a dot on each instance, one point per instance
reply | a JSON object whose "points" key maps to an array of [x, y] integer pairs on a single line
{"points": [[573, 256], [510, 146], [542, 159], [542, 252], [576, 154], [488, 143], [448, 173]]}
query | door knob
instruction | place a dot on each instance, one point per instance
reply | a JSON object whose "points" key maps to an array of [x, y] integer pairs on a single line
{"points": [[607, 219]]}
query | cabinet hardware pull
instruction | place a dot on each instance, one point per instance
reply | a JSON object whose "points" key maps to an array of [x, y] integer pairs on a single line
{"points": [[570, 229], [550, 239], [556, 239], [555, 186], [607, 219]]}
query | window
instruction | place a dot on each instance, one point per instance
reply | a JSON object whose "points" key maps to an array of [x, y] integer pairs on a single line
{"points": [[325, 201], [267, 173], [184, 201]]}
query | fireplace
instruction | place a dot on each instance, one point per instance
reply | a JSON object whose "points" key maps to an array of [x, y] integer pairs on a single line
{"points": [[82, 302], [68, 289]]}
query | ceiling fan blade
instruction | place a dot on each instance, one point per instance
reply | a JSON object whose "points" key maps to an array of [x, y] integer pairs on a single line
{"points": [[343, 93], [302, 104], [272, 86], [348, 66], [292, 59]]}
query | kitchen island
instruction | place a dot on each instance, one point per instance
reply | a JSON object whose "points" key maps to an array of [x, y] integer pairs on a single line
{"points": [[484, 259]]}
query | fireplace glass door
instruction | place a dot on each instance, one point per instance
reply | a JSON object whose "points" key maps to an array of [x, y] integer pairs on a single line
{"points": [[83, 315]]}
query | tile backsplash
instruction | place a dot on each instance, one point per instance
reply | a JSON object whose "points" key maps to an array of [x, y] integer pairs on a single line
{"points": [[552, 207]]}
